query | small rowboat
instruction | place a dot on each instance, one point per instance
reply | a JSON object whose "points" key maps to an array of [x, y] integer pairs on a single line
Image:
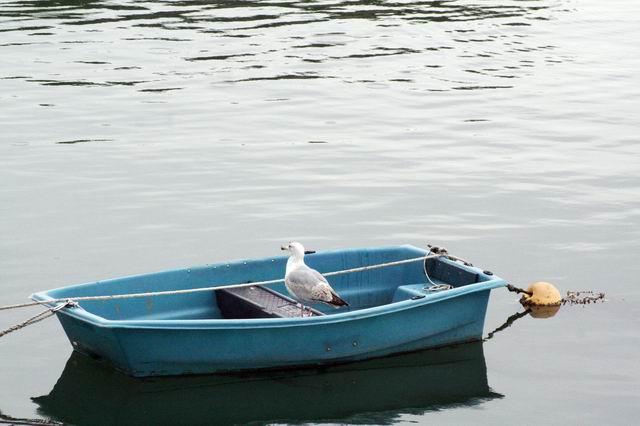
{"points": [[401, 298]]}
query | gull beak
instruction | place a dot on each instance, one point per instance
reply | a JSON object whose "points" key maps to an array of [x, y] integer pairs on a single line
{"points": [[284, 248]]}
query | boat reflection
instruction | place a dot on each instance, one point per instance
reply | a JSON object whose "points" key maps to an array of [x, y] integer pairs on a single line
{"points": [[376, 391]]}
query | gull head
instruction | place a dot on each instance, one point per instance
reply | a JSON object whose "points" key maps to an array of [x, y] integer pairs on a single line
{"points": [[295, 248]]}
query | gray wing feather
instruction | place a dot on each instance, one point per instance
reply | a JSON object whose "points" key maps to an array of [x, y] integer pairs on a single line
{"points": [[308, 284]]}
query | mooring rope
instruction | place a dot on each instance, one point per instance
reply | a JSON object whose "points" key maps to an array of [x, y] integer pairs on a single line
{"points": [[36, 318], [515, 289], [218, 287]]}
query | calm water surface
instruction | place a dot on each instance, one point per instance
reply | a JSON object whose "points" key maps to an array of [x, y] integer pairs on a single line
{"points": [[141, 136]]}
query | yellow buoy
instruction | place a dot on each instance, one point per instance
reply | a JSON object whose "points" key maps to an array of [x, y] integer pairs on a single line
{"points": [[541, 294]]}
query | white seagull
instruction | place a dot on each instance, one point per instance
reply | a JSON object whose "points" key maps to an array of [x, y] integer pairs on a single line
{"points": [[306, 284]]}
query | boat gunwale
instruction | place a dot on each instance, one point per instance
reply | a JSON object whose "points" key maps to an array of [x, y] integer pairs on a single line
{"points": [[82, 314]]}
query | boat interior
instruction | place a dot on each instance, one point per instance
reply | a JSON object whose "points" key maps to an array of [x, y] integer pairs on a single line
{"points": [[360, 289]]}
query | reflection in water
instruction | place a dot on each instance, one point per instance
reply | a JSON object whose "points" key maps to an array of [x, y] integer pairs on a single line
{"points": [[376, 391], [539, 312], [508, 323]]}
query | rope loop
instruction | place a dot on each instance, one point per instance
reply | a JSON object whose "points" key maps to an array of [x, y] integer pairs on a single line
{"points": [[438, 287]]}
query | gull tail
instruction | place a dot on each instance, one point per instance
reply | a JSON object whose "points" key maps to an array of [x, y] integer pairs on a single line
{"points": [[336, 301]]}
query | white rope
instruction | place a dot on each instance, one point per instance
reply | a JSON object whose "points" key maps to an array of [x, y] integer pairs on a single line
{"points": [[218, 287], [426, 274]]}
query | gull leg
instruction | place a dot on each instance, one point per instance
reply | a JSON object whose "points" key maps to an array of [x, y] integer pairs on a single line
{"points": [[301, 310]]}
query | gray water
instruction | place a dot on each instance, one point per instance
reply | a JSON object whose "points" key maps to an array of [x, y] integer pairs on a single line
{"points": [[142, 136]]}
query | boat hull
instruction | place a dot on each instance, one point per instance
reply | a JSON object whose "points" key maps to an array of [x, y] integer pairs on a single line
{"points": [[177, 351]]}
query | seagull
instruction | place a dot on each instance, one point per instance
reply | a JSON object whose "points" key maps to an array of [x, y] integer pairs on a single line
{"points": [[306, 284]]}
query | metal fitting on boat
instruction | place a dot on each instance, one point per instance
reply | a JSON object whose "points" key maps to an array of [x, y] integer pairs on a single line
{"points": [[437, 250]]}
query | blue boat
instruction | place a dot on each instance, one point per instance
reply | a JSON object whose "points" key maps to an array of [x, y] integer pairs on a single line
{"points": [[417, 300]]}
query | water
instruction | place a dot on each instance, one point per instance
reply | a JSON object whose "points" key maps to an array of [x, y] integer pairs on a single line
{"points": [[141, 136]]}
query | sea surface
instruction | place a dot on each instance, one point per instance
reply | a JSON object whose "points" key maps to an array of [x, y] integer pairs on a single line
{"points": [[138, 136]]}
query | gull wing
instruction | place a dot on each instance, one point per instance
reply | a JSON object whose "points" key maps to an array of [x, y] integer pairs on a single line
{"points": [[308, 284]]}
